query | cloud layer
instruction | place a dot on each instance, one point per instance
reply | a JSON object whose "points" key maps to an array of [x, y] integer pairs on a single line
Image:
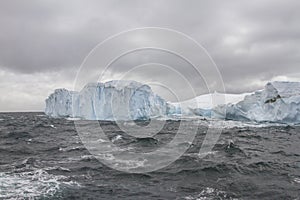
{"points": [[43, 43]]}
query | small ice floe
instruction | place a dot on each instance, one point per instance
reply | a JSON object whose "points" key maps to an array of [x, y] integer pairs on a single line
{"points": [[1, 119]]}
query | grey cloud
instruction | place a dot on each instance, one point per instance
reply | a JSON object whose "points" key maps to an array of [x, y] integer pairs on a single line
{"points": [[250, 41]]}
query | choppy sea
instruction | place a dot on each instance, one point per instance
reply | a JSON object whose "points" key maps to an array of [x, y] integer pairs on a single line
{"points": [[44, 158]]}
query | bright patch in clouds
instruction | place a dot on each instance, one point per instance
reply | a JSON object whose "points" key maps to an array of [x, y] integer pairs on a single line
{"points": [[27, 92]]}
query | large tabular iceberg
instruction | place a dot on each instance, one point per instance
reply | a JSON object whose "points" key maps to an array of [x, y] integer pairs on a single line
{"points": [[130, 100], [113, 100]]}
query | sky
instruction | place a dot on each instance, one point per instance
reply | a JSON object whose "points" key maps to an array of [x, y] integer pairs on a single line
{"points": [[44, 43]]}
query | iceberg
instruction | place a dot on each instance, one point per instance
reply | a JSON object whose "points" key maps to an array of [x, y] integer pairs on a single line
{"points": [[113, 100], [131, 100], [277, 102], [59, 103], [202, 105]]}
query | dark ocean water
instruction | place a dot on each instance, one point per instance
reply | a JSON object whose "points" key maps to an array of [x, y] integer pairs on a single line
{"points": [[43, 158]]}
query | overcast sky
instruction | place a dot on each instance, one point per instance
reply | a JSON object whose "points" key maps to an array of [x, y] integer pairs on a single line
{"points": [[43, 43]]}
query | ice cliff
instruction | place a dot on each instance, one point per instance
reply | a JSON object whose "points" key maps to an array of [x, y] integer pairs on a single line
{"points": [[277, 102], [59, 103], [113, 100], [130, 100]]}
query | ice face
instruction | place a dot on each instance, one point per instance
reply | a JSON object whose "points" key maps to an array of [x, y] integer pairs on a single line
{"points": [[113, 100], [130, 100], [278, 102], [59, 104]]}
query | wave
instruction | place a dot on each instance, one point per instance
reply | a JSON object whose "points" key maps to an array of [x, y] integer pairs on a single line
{"points": [[209, 193], [116, 138], [32, 184], [68, 149], [146, 141], [18, 135], [297, 180]]}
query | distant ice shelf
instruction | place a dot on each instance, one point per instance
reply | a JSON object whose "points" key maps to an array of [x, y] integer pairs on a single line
{"points": [[130, 100]]}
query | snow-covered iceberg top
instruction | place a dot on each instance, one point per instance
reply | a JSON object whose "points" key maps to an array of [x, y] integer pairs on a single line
{"points": [[203, 104], [113, 100]]}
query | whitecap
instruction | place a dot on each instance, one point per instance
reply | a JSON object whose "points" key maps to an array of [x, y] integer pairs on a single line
{"points": [[101, 140], [201, 155], [297, 180], [52, 126], [126, 164], [58, 168], [71, 148], [116, 138], [33, 184], [209, 193], [73, 118], [87, 157]]}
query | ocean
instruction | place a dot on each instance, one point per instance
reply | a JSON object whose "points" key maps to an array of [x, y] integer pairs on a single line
{"points": [[44, 158]]}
